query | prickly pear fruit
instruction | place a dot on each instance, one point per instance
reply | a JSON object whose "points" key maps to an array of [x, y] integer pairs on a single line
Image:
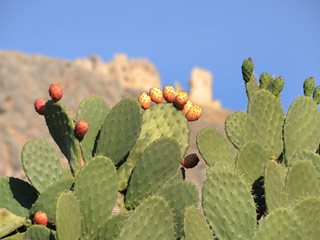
{"points": [[169, 94], [308, 86], [156, 95], [190, 161], [39, 105], [55, 91], [194, 113], [81, 128], [40, 218], [144, 100], [247, 69], [181, 99], [187, 107], [316, 95]]}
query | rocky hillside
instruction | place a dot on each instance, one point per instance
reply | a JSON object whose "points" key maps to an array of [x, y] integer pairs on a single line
{"points": [[26, 77]]}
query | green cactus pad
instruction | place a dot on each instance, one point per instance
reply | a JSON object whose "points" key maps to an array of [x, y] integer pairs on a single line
{"points": [[237, 128], [302, 180], [47, 201], [38, 232], [17, 236], [301, 129], [61, 128], [265, 81], [112, 227], [308, 155], [94, 111], [195, 225], [228, 205], [9, 222], [277, 86], [41, 163], [120, 130], [215, 149], [251, 161], [308, 213], [96, 190], [308, 86], [16, 195], [168, 122], [274, 184], [152, 219], [179, 196], [68, 217], [158, 163], [282, 224], [266, 119]]}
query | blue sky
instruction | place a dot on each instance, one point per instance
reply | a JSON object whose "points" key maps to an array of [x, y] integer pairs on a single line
{"points": [[282, 37]]}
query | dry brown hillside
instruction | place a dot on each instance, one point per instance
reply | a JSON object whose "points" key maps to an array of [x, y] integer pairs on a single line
{"points": [[26, 77]]}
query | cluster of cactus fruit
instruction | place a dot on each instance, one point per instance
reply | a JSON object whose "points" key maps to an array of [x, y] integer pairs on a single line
{"points": [[125, 180]]}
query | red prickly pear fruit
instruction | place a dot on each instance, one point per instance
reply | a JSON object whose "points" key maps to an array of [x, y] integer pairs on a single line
{"points": [[39, 105], [156, 95], [169, 94], [55, 91], [194, 113], [40, 218], [81, 128], [144, 100], [190, 161], [181, 99], [187, 107]]}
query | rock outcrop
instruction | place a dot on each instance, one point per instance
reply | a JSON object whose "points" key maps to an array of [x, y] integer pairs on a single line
{"points": [[26, 77]]}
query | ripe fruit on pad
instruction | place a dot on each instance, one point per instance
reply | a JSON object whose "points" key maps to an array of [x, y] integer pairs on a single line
{"points": [[190, 161], [144, 100], [169, 94], [39, 105], [194, 113], [187, 107], [181, 98], [81, 128], [55, 91], [156, 95], [40, 218]]}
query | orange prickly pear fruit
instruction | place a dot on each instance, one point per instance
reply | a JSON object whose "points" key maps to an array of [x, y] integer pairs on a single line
{"points": [[144, 100], [181, 99], [194, 113], [81, 129], [55, 91], [40, 218], [187, 107], [169, 94], [39, 105], [156, 95]]}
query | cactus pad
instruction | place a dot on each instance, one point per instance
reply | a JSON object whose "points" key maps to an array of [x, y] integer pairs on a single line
{"points": [[120, 130], [308, 213], [68, 218], [16, 195], [38, 232], [93, 110], [195, 225], [302, 180], [237, 128], [152, 219], [47, 201], [61, 128], [215, 149], [41, 163], [228, 205], [251, 161], [179, 196], [274, 183], [9, 222], [96, 190], [301, 128], [158, 163], [281, 224]]}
